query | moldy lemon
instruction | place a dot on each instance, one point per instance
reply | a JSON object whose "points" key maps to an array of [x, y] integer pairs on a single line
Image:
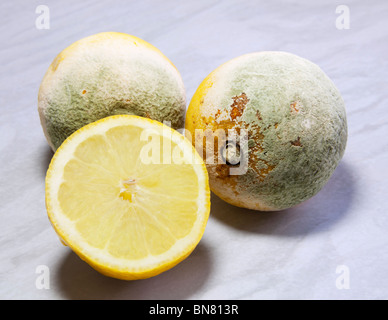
{"points": [[107, 74], [296, 124]]}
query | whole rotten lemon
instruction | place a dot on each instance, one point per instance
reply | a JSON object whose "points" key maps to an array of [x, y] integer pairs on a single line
{"points": [[272, 128], [126, 215], [108, 74]]}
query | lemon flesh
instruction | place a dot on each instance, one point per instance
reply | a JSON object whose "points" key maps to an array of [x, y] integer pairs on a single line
{"points": [[128, 210]]}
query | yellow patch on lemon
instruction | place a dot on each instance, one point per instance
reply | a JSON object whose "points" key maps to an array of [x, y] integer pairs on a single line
{"points": [[129, 195]]}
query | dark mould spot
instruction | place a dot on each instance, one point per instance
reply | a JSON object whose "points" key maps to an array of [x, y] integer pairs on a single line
{"points": [[230, 153], [296, 142]]}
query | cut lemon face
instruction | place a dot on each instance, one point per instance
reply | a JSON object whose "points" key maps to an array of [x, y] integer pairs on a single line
{"points": [[129, 195]]}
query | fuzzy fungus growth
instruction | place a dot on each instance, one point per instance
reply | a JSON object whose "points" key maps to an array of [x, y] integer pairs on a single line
{"points": [[106, 74], [296, 123]]}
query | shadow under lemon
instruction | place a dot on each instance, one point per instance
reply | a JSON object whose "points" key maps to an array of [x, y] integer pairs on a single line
{"points": [[78, 281], [317, 214], [47, 154]]}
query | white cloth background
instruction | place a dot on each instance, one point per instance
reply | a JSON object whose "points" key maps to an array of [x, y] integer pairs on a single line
{"points": [[244, 254]]}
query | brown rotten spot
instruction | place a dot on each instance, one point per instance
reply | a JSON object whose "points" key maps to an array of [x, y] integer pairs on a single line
{"points": [[296, 142], [238, 105]]}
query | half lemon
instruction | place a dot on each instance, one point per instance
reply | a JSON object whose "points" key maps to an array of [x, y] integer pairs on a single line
{"points": [[129, 195]]}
